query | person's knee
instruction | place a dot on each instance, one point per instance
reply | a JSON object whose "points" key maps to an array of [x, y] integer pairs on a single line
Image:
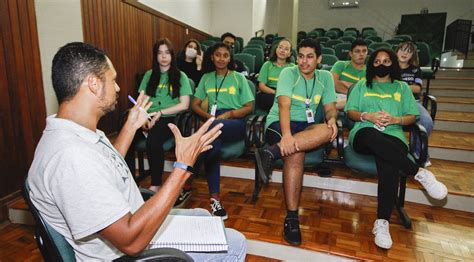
{"points": [[237, 242]]}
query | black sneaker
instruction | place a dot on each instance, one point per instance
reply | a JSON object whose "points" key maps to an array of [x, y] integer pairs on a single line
{"points": [[218, 209], [292, 233], [183, 197], [265, 160]]}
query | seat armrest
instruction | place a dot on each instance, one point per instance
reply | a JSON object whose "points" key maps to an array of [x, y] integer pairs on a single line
{"points": [[158, 254], [418, 132], [146, 193], [340, 138], [250, 130], [259, 131]]}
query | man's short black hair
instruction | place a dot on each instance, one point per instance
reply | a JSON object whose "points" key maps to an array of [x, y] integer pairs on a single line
{"points": [[72, 64], [228, 34], [309, 42], [359, 42]]}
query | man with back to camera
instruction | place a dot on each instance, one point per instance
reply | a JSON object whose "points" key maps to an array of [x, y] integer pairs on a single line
{"points": [[291, 130], [80, 182], [347, 73]]}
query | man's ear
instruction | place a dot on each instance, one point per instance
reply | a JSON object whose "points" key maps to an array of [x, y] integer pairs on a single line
{"points": [[320, 58], [93, 84]]}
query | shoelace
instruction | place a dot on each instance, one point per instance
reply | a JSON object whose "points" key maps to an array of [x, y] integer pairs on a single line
{"points": [[216, 205], [293, 224], [381, 228]]}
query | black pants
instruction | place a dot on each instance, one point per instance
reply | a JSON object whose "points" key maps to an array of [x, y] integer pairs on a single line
{"points": [[390, 158], [157, 136], [265, 101]]}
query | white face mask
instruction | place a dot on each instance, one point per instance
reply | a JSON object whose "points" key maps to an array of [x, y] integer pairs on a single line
{"points": [[191, 53]]}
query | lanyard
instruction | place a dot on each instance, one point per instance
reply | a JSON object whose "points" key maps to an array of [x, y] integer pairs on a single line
{"points": [[307, 102], [219, 89]]}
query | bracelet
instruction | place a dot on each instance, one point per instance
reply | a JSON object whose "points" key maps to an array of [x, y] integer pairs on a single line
{"points": [[362, 117], [183, 166]]}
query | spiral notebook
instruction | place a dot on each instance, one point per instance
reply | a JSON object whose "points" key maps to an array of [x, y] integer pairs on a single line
{"points": [[191, 234]]}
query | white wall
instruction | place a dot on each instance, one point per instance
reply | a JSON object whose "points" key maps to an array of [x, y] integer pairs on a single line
{"points": [[59, 22], [384, 15], [233, 16], [196, 13], [259, 10]]}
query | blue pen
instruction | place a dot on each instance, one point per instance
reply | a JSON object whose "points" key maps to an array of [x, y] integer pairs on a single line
{"points": [[140, 108]]}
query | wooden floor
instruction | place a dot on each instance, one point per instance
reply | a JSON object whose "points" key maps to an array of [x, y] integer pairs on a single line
{"points": [[455, 116], [331, 222]]}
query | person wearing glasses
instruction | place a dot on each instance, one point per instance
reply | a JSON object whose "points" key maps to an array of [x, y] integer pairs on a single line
{"points": [[230, 99], [346, 73], [381, 105], [411, 73]]}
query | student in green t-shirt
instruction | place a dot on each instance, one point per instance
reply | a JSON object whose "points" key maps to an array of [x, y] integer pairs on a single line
{"points": [[270, 72], [381, 105], [291, 129], [230, 99], [169, 90], [347, 73]]}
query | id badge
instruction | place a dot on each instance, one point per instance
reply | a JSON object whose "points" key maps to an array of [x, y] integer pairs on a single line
{"points": [[309, 115], [213, 109]]}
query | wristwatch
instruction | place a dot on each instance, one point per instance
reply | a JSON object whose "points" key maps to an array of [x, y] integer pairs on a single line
{"points": [[183, 166]]}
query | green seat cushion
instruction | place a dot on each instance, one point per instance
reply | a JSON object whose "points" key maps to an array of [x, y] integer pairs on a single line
{"points": [[232, 149], [360, 162], [426, 73]]}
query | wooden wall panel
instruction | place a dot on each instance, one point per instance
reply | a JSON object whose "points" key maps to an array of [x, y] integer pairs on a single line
{"points": [[22, 102], [126, 30]]}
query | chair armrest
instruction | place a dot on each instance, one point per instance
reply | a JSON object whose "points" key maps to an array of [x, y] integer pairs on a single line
{"points": [[431, 100], [158, 254], [146, 193], [340, 138], [259, 131], [435, 63], [250, 130], [418, 132]]}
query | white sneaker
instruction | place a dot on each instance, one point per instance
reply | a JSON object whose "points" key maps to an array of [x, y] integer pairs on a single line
{"points": [[382, 234], [427, 163], [435, 189]]}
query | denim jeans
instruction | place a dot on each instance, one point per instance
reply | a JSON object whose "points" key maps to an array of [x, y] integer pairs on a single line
{"points": [[425, 121]]}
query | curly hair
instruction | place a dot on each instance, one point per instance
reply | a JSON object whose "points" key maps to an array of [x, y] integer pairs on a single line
{"points": [[208, 64]]}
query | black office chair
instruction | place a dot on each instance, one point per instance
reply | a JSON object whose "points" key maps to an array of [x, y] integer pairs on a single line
{"points": [[54, 247]]}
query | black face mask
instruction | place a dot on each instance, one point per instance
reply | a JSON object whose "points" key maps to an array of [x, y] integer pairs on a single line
{"points": [[382, 71]]}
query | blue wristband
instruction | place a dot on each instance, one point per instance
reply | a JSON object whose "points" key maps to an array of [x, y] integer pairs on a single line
{"points": [[183, 166]]}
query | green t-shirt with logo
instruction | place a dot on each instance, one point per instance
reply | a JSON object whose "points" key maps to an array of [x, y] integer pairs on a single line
{"points": [[270, 73], [234, 92], [394, 98], [162, 98], [347, 72], [292, 84]]}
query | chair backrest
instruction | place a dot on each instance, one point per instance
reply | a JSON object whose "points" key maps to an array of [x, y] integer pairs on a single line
{"points": [[259, 42], [269, 38], [208, 42], [329, 59], [423, 53], [314, 34], [331, 43], [351, 32], [404, 37], [342, 51], [376, 46], [348, 39], [328, 51], [375, 38], [254, 45], [241, 43], [394, 41], [331, 34], [259, 55], [322, 39], [53, 246], [248, 60]]}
